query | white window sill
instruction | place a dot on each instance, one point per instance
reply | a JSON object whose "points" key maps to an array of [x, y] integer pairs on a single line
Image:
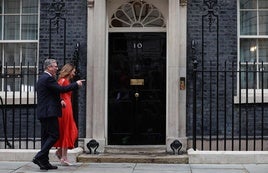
{"points": [[250, 97], [17, 98]]}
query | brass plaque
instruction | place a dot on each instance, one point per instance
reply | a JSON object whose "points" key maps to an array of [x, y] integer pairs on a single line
{"points": [[136, 81]]}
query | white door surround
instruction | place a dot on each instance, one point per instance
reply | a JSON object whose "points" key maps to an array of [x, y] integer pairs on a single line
{"points": [[97, 56]]}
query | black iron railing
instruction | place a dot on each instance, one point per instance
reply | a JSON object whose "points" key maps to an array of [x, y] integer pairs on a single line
{"points": [[19, 127], [229, 106], [18, 106]]}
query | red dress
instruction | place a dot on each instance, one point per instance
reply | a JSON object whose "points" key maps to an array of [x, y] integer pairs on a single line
{"points": [[67, 126]]}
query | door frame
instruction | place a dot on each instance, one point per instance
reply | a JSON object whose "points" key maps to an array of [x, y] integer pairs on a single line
{"points": [[96, 109], [112, 5]]}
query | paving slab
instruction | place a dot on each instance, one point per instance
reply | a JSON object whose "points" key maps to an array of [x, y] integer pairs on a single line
{"points": [[31, 167], [256, 168], [162, 168], [6, 167], [165, 167]]}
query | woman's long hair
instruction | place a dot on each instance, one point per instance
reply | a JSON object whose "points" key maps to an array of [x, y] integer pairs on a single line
{"points": [[66, 70]]}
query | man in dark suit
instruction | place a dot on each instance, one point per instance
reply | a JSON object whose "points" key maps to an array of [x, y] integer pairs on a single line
{"points": [[48, 110]]}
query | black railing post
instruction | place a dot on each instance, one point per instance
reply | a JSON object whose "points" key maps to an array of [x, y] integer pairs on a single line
{"points": [[195, 63], [35, 76], [210, 108], [246, 106], [75, 62], [225, 104], [262, 106], [233, 94], [254, 109], [240, 101]]}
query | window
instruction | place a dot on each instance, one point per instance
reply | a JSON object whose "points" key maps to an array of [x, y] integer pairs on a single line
{"points": [[137, 14], [253, 41], [19, 23]]}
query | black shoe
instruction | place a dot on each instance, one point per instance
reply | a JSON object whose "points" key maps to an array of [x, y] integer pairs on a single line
{"points": [[49, 166], [40, 164]]}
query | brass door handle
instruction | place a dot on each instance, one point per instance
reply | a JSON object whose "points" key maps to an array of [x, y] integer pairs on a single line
{"points": [[136, 95]]}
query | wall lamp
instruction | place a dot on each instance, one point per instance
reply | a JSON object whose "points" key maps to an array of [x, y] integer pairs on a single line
{"points": [[90, 3], [183, 2]]}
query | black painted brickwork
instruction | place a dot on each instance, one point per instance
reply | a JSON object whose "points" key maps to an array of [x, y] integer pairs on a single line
{"points": [[217, 41], [75, 13]]}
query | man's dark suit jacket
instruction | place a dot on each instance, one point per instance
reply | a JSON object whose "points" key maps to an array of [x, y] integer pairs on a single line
{"points": [[48, 96]]}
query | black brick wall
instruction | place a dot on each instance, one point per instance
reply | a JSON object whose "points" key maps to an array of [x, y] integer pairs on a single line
{"points": [[216, 41], [75, 13]]}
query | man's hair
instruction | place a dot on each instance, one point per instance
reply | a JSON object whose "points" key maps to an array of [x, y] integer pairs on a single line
{"points": [[48, 62]]}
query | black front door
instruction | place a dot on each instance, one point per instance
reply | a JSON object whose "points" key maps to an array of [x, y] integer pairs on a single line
{"points": [[137, 89]]}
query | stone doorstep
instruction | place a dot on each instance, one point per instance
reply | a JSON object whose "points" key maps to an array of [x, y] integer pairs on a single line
{"points": [[133, 158], [227, 157], [28, 154]]}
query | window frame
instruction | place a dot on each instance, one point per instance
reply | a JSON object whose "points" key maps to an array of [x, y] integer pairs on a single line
{"points": [[19, 96]]}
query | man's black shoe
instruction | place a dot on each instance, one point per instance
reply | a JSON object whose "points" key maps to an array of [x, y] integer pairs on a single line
{"points": [[40, 164], [49, 166]]}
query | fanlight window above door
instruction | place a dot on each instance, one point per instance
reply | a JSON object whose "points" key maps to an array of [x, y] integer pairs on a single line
{"points": [[137, 14]]}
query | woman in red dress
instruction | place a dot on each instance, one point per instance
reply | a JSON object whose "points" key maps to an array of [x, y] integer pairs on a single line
{"points": [[67, 125]]}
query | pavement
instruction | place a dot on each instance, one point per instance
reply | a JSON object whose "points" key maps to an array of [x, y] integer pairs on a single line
{"points": [[28, 167]]}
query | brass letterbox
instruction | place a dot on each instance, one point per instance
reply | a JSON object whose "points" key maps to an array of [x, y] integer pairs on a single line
{"points": [[136, 81]]}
